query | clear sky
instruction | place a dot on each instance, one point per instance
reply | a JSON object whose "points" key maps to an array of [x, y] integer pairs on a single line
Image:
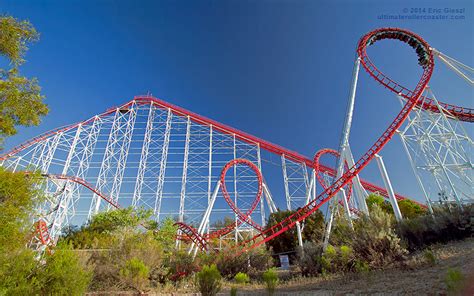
{"points": [[277, 69]]}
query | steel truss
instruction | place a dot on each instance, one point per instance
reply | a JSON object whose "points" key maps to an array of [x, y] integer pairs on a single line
{"points": [[149, 153], [440, 152]]}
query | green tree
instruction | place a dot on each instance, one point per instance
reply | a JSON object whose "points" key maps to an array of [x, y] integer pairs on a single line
{"points": [[166, 234], [18, 198], [409, 209], [21, 102], [63, 274], [288, 241], [20, 273], [106, 228], [375, 199]]}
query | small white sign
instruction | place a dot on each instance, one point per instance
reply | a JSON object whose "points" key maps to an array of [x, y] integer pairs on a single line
{"points": [[285, 262]]}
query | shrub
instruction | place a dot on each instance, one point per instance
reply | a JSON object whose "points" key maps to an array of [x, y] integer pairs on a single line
{"points": [[240, 279], [135, 274], [251, 262], [446, 225], [287, 241], [361, 266], [270, 277], [180, 264], [208, 280], [373, 240], [430, 257], [409, 209], [63, 274], [454, 281], [108, 263], [309, 258]]}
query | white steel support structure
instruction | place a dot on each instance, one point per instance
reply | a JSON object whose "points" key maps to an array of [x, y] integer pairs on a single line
{"points": [[440, 152], [150, 154], [144, 156], [163, 162], [295, 178], [343, 146], [388, 186]]}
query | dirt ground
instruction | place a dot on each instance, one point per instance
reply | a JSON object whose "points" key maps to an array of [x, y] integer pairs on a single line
{"points": [[417, 278]]}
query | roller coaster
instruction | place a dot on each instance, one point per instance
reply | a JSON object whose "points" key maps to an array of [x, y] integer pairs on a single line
{"points": [[151, 154]]}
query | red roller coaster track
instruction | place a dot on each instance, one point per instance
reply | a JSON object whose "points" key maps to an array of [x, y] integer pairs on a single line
{"points": [[413, 99], [426, 61]]}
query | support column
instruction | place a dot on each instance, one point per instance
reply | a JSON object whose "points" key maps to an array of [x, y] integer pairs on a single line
{"points": [[164, 157], [388, 187]]}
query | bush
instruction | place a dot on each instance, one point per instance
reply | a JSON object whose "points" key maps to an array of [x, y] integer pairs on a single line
{"points": [[309, 258], [208, 280], [270, 277], [409, 209], [63, 274], [240, 279], [373, 240], [430, 257], [139, 246], [454, 281], [251, 262], [446, 225], [135, 274]]}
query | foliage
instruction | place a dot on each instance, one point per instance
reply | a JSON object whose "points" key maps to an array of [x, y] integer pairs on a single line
{"points": [[15, 37], [430, 257], [105, 228], [446, 225], [63, 274], [409, 209], [208, 280], [181, 264], [375, 199], [18, 273], [110, 264], [166, 234], [454, 280], [251, 262], [270, 277], [309, 258], [287, 241], [135, 273], [241, 278], [373, 239], [18, 198], [20, 100]]}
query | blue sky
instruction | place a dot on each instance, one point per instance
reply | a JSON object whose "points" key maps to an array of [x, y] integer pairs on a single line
{"points": [[277, 69]]}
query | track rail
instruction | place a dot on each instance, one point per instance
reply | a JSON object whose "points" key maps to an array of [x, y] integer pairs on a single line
{"points": [[291, 155], [426, 61]]}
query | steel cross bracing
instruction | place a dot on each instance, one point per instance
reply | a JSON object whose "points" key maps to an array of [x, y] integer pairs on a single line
{"points": [[185, 153], [440, 152], [148, 154]]}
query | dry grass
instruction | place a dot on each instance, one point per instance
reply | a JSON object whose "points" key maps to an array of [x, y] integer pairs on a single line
{"points": [[416, 276]]}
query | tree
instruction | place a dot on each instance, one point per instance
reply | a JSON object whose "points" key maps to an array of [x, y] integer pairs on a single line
{"points": [[287, 241], [63, 274], [106, 228], [20, 100], [409, 209], [18, 198], [166, 234], [375, 199]]}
